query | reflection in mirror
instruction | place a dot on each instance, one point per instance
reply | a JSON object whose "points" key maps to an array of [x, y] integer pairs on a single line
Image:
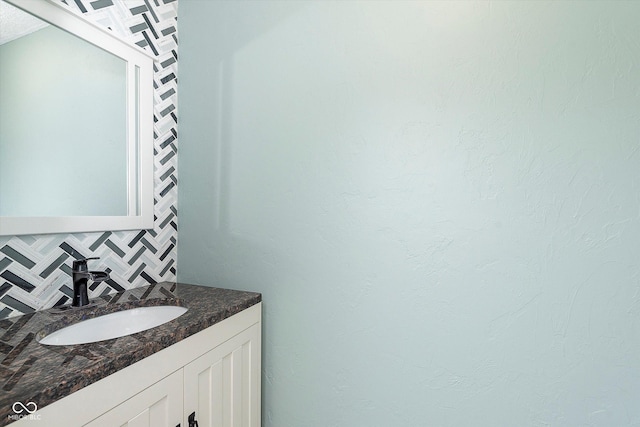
{"points": [[63, 115], [76, 124], [62, 123]]}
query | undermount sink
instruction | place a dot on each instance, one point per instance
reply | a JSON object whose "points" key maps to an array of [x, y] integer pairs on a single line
{"points": [[113, 325]]}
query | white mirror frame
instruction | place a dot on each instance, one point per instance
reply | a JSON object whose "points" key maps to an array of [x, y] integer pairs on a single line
{"points": [[139, 131]]}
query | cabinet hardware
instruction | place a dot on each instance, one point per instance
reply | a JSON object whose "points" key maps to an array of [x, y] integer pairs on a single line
{"points": [[192, 420]]}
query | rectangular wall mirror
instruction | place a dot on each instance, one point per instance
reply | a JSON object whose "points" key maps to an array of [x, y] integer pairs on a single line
{"points": [[76, 124]]}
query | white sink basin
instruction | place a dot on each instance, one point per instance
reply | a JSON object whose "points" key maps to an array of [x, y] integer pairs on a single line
{"points": [[114, 325]]}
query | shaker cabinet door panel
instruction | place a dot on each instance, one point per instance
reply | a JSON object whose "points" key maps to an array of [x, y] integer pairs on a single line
{"points": [[160, 405], [222, 387]]}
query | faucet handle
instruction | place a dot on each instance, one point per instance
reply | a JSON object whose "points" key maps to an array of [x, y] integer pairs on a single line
{"points": [[81, 263]]}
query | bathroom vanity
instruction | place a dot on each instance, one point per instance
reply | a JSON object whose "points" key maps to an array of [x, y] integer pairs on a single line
{"points": [[203, 366]]}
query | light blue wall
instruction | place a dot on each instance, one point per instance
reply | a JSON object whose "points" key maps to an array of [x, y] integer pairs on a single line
{"points": [[438, 200]]}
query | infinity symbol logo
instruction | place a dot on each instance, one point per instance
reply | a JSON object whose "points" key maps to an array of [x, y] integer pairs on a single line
{"points": [[19, 407]]}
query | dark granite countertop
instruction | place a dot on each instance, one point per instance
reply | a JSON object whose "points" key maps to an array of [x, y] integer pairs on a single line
{"points": [[32, 372]]}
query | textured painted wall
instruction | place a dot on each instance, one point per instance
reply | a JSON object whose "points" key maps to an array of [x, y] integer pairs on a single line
{"points": [[35, 270], [439, 201]]}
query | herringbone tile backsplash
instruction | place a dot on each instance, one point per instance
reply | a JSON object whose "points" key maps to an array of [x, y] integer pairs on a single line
{"points": [[35, 271]]}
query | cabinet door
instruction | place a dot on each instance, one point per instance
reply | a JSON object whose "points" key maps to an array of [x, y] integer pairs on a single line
{"points": [[157, 406], [222, 387]]}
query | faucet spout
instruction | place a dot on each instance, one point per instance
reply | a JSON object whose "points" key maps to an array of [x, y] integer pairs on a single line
{"points": [[80, 276], [97, 276]]}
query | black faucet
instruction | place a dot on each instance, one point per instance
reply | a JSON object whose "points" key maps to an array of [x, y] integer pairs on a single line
{"points": [[81, 274]]}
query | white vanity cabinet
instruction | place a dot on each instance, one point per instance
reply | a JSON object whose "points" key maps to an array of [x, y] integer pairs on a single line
{"points": [[212, 376], [158, 405], [222, 386]]}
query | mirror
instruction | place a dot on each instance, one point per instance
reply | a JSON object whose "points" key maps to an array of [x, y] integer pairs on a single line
{"points": [[76, 152]]}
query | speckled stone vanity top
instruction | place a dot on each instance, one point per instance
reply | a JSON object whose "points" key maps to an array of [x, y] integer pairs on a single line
{"points": [[32, 372]]}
